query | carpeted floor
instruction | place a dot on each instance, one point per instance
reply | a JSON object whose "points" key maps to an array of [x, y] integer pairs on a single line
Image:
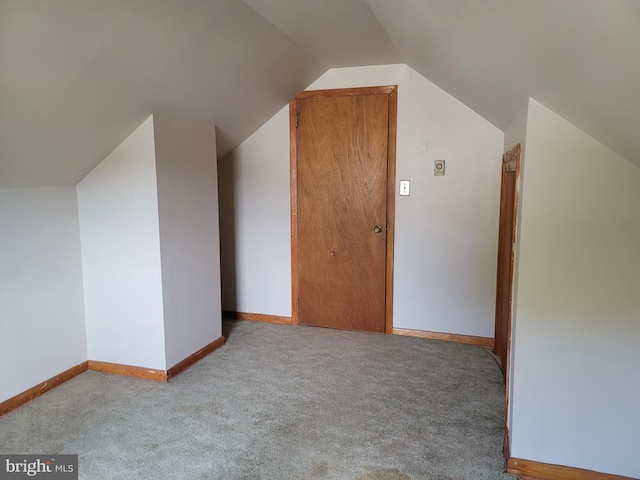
{"points": [[282, 402]]}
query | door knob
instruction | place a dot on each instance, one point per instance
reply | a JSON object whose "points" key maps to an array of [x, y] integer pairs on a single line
{"points": [[377, 229]]}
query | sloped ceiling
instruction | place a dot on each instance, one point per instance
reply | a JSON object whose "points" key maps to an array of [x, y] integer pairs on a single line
{"points": [[581, 58], [78, 76]]}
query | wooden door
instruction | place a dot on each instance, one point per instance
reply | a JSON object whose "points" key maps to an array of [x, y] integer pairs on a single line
{"points": [[506, 253], [342, 177]]}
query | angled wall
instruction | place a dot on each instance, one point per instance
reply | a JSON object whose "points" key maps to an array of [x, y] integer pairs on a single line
{"points": [[255, 232], [42, 331], [186, 167], [150, 248], [119, 235], [576, 381], [446, 231]]}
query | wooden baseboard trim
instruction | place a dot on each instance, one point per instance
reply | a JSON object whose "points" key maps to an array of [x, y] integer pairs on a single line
{"points": [[128, 370], [107, 367], [506, 449], [34, 392], [151, 374], [530, 470], [447, 337], [181, 366], [258, 317]]}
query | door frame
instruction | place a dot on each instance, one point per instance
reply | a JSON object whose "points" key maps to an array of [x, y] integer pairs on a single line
{"points": [[392, 92], [511, 162]]}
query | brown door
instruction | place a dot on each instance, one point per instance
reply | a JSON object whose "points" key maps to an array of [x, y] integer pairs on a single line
{"points": [[506, 243], [341, 221]]}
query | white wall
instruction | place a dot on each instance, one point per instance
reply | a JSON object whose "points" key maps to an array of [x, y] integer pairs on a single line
{"points": [[255, 221], [446, 231], [42, 330], [516, 133], [119, 236], [186, 166], [576, 363]]}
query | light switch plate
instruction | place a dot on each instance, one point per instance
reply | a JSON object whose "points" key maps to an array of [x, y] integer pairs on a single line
{"points": [[405, 186], [438, 168]]}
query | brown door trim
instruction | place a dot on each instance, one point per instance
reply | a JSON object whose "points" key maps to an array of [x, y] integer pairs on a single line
{"points": [[392, 92], [511, 161]]}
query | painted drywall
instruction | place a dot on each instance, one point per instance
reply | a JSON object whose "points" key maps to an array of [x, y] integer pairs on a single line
{"points": [[186, 167], [255, 222], [517, 130], [42, 331], [515, 134], [576, 381], [119, 237], [446, 231]]}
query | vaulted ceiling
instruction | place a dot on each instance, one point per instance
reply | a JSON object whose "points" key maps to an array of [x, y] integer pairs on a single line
{"points": [[78, 76]]}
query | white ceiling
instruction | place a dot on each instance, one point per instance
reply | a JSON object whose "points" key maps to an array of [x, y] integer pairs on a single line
{"points": [[78, 76]]}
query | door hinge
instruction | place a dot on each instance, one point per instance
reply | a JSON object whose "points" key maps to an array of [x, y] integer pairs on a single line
{"points": [[297, 304], [296, 120]]}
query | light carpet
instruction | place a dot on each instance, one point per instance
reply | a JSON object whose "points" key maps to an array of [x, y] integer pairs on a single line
{"points": [[283, 402]]}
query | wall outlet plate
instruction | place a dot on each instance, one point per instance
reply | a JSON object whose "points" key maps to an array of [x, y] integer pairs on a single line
{"points": [[438, 168]]}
